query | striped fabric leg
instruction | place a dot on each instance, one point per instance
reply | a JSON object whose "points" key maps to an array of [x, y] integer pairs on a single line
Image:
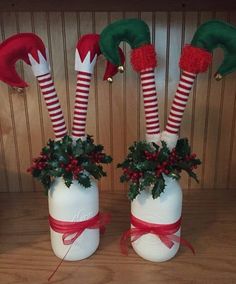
{"points": [[150, 101], [179, 102], [81, 104], [53, 105]]}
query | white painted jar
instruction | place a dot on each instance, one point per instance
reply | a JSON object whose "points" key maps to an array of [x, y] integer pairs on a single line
{"points": [[165, 209], [76, 203]]}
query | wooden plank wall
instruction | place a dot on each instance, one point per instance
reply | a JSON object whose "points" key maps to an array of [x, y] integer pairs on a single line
{"points": [[115, 115]]}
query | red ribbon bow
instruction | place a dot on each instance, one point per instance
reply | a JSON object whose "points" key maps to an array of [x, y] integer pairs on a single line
{"points": [[75, 229], [165, 232], [70, 228]]}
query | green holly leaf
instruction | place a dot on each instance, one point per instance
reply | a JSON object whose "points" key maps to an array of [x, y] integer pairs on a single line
{"points": [[193, 175], [99, 148], [182, 147], [84, 180], [158, 188], [62, 157], [36, 173], [156, 146], [53, 164], [68, 182], [164, 153], [174, 175], [67, 140], [123, 178], [148, 179], [68, 178], [106, 159], [133, 191], [144, 165]]}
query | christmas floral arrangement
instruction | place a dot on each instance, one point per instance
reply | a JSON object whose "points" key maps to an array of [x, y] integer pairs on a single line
{"points": [[70, 160], [147, 163]]}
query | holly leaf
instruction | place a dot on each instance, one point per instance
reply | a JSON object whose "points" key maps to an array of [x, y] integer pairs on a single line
{"points": [[158, 188], [78, 150], [193, 175], [148, 179], [123, 178], [67, 140], [68, 178], [174, 175], [106, 159], [156, 146], [182, 147], [133, 191], [53, 164], [62, 157], [84, 180], [164, 153], [142, 166], [36, 173]]}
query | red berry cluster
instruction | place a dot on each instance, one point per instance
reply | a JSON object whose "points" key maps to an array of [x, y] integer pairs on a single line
{"points": [[151, 156], [132, 175], [72, 166], [39, 163], [162, 168], [173, 157], [189, 158], [97, 157]]}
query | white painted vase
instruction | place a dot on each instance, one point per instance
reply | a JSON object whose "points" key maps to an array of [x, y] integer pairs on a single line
{"points": [[165, 209], [76, 203]]}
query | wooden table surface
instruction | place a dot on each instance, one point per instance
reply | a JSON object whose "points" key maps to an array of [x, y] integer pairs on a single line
{"points": [[209, 223]]}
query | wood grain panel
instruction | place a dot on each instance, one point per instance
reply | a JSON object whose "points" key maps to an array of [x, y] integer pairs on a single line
{"points": [[115, 113], [104, 134], [213, 119], [201, 106], [5, 127], [231, 166], [161, 41], [17, 115]]}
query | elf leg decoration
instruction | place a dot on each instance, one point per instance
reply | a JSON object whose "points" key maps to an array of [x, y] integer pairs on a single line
{"points": [[87, 51], [196, 58], [143, 59], [31, 49]]}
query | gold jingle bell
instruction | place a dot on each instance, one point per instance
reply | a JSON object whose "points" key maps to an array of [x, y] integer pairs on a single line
{"points": [[109, 79], [121, 69], [18, 90], [218, 77]]}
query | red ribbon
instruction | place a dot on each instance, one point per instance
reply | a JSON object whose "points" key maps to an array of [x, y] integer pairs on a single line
{"points": [[165, 232], [77, 228], [72, 230]]}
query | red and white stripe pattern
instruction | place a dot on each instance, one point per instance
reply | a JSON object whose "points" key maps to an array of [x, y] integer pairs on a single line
{"points": [[47, 87], [179, 102], [81, 104], [150, 101]]}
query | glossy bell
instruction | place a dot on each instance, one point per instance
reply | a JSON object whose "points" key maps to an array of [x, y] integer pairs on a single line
{"points": [[218, 77], [121, 69], [109, 79]]}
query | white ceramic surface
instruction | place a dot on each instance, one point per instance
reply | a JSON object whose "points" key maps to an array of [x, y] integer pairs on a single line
{"points": [[74, 204], [165, 209]]}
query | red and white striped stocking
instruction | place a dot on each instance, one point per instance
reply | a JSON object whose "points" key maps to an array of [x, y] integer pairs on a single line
{"points": [[81, 104], [150, 105], [47, 87], [170, 135]]}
